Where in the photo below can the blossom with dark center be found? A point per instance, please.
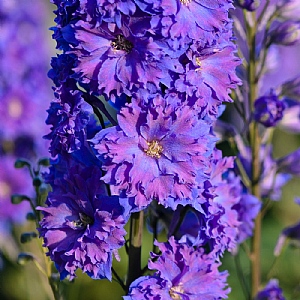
(182, 272)
(82, 227)
(115, 59)
(155, 152)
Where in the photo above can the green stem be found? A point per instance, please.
(135, 247)
(255, 146)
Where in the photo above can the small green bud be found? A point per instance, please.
(21, 163)
(30, 216)
(44, 162)
(16, 198)
(37, 181)
(27, 237)
(24, 258)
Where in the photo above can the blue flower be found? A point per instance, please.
(182, 272)
(82, 226)
(155, 152)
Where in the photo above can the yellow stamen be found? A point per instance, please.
(185, 2)
(198, 63)
(154, 149)
(174, 292)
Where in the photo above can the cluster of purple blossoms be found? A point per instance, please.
(138, 88)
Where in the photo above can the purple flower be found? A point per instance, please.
(214, 224)
(180, 19)
(82, 227)
(272, 291)
(155, 152)
(182, 272)
(114, 60)
(268, 110)
(108, 11)
(210, 73)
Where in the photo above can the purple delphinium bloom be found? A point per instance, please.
(272, 291)
(215, 225)
(214, 68)
(268, 110)
(108, 11)
(182, 272)
(82, 226)
(155, 152)
(180, 18)
(247, 209)
(114, 60)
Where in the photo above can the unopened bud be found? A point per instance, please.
(249, 5)
(287, 33)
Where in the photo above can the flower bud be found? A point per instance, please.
(286, 33)
(268, 110)
(249, 5)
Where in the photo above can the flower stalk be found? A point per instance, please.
(254, 140)
(135, 247)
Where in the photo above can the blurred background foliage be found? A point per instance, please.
(26, 282)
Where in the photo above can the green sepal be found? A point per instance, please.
(16, 198)
(21, 163)
(24, 258)
(44, 162)
(27, 237)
